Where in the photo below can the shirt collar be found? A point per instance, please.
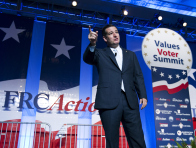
(117, 48)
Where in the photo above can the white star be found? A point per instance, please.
(170, 77)
(162, 74)
(184, 73)
(177, 76)
(154, 69)
(62, 49)
(12, 32)
(191, 73)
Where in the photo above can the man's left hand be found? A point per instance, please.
(143, 101)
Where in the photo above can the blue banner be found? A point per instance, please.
(61, 56)
(15, 42)
(173, 120)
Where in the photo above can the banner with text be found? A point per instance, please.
(169, 57)
(173, 120)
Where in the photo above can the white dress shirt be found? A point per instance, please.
(119, 59)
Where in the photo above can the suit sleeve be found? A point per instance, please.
(139, 79)
(89, 56)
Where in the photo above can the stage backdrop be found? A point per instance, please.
(43, 77)
(15, 42)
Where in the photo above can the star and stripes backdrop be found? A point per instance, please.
(192, 84)
(15, 42)
(172, 82)
(43, 77)
(61, 56)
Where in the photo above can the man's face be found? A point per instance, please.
(112, 37)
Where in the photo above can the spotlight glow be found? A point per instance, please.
(74, 3)
(184, 24)
(125, 12)
(160, 18)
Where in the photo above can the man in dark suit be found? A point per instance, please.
(120, 76)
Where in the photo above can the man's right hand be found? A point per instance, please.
(92, 36)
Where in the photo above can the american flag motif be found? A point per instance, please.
(170, 81)
(61, 56)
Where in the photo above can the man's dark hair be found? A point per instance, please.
(105, 27)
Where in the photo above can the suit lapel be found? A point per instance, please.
(125, 58)
(112, 56)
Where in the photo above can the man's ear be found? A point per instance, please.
(104, 38)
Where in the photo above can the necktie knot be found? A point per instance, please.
(115, 52)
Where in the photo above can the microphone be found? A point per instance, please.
(115, 54)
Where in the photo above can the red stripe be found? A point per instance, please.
(170, 91)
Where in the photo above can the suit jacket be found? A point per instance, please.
(110, 77)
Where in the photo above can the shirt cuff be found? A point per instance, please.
(92, 48)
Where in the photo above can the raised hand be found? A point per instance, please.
(92, 36)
